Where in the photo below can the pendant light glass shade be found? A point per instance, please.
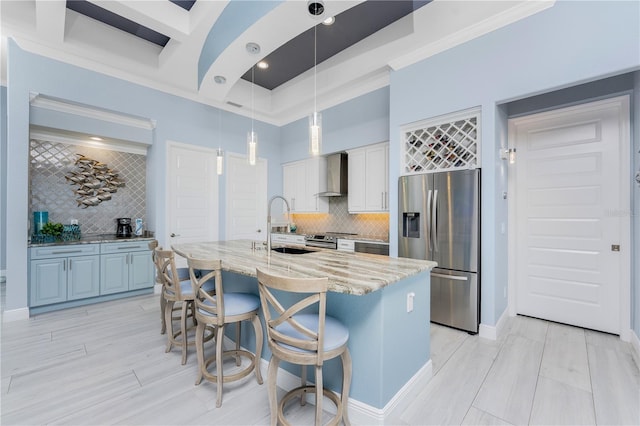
(252, 147)
(252, 137)
(315, 133)
(219, 161)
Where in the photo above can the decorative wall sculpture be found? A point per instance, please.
(95, 181)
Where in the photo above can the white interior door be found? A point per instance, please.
(246, 204)
(570, 178)
(192, 198)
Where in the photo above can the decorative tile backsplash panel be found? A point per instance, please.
(50, 191)
(371, 225)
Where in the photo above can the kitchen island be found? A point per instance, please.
(370, 294)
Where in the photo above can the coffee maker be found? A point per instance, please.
(123, 229)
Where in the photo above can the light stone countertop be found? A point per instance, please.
(350, 273)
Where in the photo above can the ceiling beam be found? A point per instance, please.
(50, 19)
(161, 16)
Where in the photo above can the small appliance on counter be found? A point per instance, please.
(123, 229)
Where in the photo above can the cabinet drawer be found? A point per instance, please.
(287, 239)
(346, 245)
(64, 251)
(124, 247)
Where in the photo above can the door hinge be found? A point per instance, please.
(615, 247)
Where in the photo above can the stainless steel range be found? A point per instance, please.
(327, 240)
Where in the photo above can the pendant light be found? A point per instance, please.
(315, 119)
(219, 152)
(252, 137)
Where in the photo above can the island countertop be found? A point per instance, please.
(350, 273)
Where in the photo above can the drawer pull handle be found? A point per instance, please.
(66, 251)
(450, 277)
(129, 247)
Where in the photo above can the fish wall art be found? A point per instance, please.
(95, 181)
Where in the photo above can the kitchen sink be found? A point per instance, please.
(291, 250)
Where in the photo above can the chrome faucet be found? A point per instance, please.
(269, 219)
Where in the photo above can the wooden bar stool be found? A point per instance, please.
(177, 291)
(183, 274)
(218, 309)
(305, 339)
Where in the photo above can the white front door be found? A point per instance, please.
(246, 204)
(192, 194)
(571, 234)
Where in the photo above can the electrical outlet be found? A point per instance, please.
(410, 297)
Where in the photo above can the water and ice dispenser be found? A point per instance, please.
(411, 224)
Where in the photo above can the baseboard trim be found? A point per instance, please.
(360, 412)
(15, 315)
(635, 344)
(492, 332)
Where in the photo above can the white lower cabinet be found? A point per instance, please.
(61, 273)
(66, 273)
(369, 179)
(125, 266)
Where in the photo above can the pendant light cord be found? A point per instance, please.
(315, 70)
(252, 84)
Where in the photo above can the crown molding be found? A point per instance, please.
(41, 101)
(72, 138)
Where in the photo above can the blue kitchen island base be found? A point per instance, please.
(389, 346)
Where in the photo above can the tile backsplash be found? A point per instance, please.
(372, 225)
(50, 191)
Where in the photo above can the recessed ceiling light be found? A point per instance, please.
(95, 138)
(253, 48)
(219, 79)
(263, 65)
(330, 20)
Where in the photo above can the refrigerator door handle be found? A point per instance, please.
(429, 219)
(434, 220)
(450, 277)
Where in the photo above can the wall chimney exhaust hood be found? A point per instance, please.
(336, 175)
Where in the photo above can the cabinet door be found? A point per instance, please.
(140, 270)
(314, 175)
(114, 273)
(83, 277)
(376, 192)
(357, 180)
(293, 178)
(48, 281)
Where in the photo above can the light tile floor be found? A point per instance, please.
(105, 364)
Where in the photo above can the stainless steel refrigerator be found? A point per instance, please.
(439, 220)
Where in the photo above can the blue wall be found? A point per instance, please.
(177, 119)
(568, 44)
(565, 46)
(357, 122)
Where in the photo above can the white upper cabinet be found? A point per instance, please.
(369, 179)
(302, 182)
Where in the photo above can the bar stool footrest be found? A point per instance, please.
(301, 392)
(231, 377)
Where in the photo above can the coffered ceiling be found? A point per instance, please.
(198, 49)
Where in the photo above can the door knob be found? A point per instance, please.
(259, 231)
(174, 235)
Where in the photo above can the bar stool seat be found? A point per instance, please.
(217, 309)
(303, 338)
(178, 292)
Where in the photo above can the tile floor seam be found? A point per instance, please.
(544, 346)
(493, 362)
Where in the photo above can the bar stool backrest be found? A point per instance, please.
(166, 264)
(209, 302)
(308, 343)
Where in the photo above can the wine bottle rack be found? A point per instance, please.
(448, 144)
